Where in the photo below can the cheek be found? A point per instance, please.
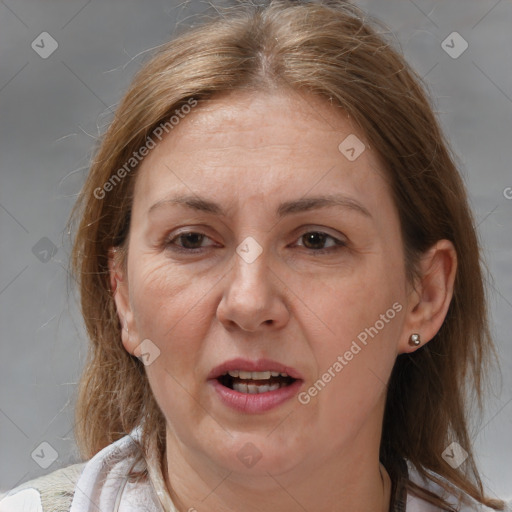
(363, 316)
(169, 309)
(349, 304)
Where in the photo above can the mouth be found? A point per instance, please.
(254, 383)
(250, 386)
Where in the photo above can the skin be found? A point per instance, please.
(250, 152)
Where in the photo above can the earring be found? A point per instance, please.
(415, 340)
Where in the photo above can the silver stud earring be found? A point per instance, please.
(415, 340)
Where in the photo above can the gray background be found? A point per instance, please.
(52, 111)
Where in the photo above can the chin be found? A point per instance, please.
(256, 456)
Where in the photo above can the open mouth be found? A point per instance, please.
(254, 383)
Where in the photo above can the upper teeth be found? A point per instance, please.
(255, 375)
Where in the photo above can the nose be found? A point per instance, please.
(253, 297)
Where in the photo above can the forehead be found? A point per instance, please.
(259, 145)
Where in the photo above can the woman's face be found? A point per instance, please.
(262, 239)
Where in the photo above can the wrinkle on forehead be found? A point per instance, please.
(243, 148)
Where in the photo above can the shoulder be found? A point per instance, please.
(104, 476)
(460, 500)
(53, 492)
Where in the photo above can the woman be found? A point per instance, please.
(280, 279)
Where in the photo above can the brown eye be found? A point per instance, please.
(315, 241)
(190, 240)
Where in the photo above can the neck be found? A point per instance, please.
(350, 479)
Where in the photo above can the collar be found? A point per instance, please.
(122, 478)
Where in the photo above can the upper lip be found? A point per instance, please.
(259, 365)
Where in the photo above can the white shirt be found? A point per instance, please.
(104, 484)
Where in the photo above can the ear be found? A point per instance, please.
(430, 298)
(120, 291)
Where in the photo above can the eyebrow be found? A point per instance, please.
(303, 204)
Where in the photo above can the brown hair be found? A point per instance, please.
(328, 49)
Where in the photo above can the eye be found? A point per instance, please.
(191, 242)
(315, 241)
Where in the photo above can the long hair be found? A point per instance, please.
(329, 49)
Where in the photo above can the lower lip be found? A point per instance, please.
(258, 402)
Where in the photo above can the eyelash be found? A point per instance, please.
(169, 243)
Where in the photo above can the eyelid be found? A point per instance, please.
(327, 235)
(313, 228)
(339, 243)
(299, 233)
(169, 239)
